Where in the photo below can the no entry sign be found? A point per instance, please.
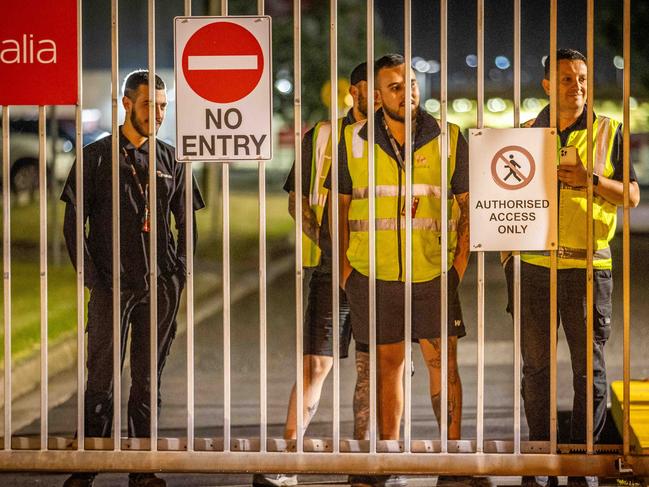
(223, 88)
(38, 52)
(513, 189)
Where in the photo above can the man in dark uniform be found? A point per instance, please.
(134, 255)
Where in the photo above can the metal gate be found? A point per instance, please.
(336, 454)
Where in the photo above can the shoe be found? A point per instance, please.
(588, 481)
(377, 481)
(80, 480)
(278, 479)
(539, 481)
(145, 480)
(463, 481)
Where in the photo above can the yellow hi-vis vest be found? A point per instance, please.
(390, 199)
(318, 194)
(573, 206)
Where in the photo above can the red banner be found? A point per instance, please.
(38, 52)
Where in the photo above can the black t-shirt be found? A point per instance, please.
(289, 185)
(427, 129)
(134, 242)
(617, 156)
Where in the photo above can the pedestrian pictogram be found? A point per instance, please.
(223, 62)
(513, 167)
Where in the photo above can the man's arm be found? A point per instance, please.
(609, 189)
(310, 225)
(344, 200)
(462, 250)
(179, 211)
(70, 235)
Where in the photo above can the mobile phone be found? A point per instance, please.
(568, 155)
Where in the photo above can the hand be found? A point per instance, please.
(573, 175)
(346, 271)
(460, 274)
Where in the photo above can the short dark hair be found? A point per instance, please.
(567, 54)
(388, 61)
(137, 78)
(359, 73)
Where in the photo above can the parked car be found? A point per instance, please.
(23, 154)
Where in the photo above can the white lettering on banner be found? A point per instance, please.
(28, 50)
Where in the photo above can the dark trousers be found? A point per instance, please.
(136, 317)
(535, 343)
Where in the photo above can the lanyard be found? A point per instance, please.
(395, 144)
(402, 166)
(144, 192)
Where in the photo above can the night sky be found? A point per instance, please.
(425, 39)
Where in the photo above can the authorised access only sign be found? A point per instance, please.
(224, 104)
(513, 189)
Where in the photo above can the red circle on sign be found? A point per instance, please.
(227, 62)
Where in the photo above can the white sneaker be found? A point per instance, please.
(279, 479)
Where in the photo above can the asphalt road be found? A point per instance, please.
(499, 389)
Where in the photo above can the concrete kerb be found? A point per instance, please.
(62, 355)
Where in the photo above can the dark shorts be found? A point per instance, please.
(318, 323)
(390, 300)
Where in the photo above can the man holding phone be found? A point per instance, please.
(571, 276)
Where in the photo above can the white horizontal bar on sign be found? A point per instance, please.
(222, 62)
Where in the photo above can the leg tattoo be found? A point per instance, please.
(362, 396)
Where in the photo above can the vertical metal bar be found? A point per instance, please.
(42, 196)
(371, 183)
(117, 370)
(554, 100)
(407, 42)
(263, 345)
(153, 236)
(6, 264)
(227, 386)
(297, 110)
(590, 59)
(517, 255)
(444, 218)
(481, 255)
(79, 203)
(626, 240)
(189, 246)
(335, 251)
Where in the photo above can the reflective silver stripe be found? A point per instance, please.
(322, 140)
(570, 253)
(602, 139)
(391, 224)
(357, 142)
(387, 190)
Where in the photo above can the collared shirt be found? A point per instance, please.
(289, 185)
(426, 129)
(134, 242)
(617, 157)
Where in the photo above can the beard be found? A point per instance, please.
(394, 115)
(362, 105)
(138, 125)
